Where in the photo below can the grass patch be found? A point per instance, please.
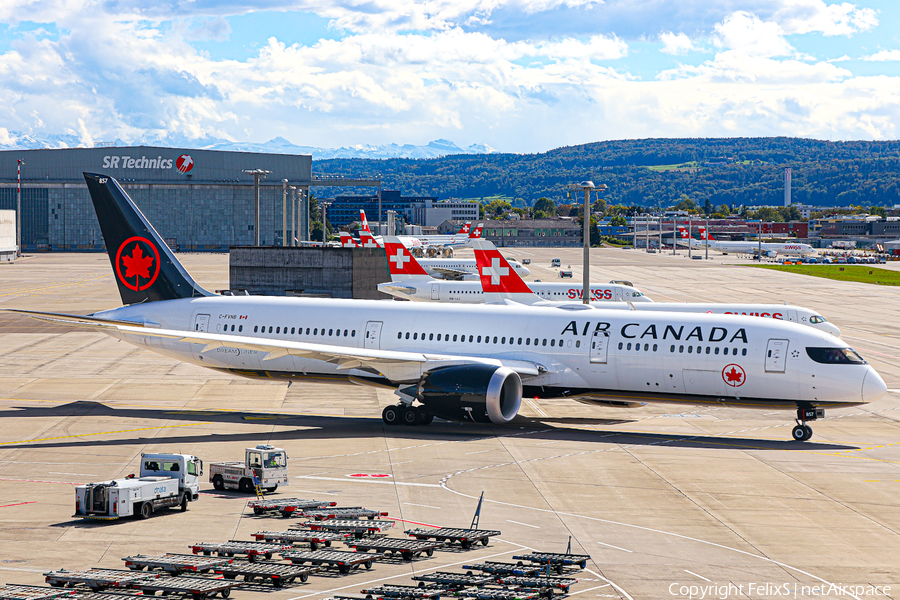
(688, 166)
(858, 273)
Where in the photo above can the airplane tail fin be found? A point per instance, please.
(146, 270)
(465, 229)
(499, 279)
(475, 234)
(347, 240)
(401, 262)
(365, 234)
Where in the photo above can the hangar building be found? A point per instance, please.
(196, 199)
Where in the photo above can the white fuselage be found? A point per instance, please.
(585, 351)
(790, 248)
(466, 265)
(470, 292)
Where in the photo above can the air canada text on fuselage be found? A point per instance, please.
(656, 331)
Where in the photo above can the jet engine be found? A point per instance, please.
(480, 393)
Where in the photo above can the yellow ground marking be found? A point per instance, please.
(60, 437)
(50, 287)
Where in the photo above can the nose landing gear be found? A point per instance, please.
(802, 431)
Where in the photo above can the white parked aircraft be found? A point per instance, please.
(410, 281)
(468, 362)
(770, 249)
(426, 243)
(502, 284)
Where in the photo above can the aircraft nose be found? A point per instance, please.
(873, 386)
(525, 271)
(832, 329)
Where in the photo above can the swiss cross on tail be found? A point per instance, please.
(465, 228)
(400, 261)
(496, 274)
(347, 240)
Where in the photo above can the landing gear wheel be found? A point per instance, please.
(801, 433)
(409, 415)
(428, 417)
(809, 432)
(391, 415)
(424, 417)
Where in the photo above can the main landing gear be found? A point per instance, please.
(406, 414)
(802, 431)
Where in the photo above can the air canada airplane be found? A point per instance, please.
(468, 362)
(770, 249)
(500, 284)
(410, 281)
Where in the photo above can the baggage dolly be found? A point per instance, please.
(341, 513)
(408, 549)
(174, 563)
(556, 560)
(466, 537)
(359, 528)
(123, 595)
(198, 588)
(250, 549)
(403, 591)
(13, 591)
(286, 506)
(278, 573)
(556, 583)
(504, 568)
(496, 594)
(299, 536)
(454, 581)
(342, 560)
(96, 579)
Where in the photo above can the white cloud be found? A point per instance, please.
(674, 43)
(883, 55)
(748, 34)
(807, 16)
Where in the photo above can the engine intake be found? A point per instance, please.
(480, 393)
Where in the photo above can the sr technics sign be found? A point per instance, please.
(183, 163)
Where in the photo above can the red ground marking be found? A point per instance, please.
(18, 504)
(413, 522)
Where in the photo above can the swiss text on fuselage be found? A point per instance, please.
(660, 332)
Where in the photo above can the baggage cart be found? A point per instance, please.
(300, 536)
(286, 506)
(325, 514)
(504, 568)
(454, 581)
(403, 591)
(358, 528)
(198, 588)
(557, 583)
(249, 549)
(497, 594)
(174, 563)
(408, 549)
(278, 573)
(96, 579)
(342, 560)
(121, 595)
(12, 591)
(466, 537)
(557, 560)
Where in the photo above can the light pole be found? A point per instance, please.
(707, 238)
(284, 187)
(690, 233)
(293, 215)
(587, 187)
(325, 206)
(19, 163)
(257, 174)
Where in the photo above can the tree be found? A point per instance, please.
(879, 211)
(599, 206)
(767, 213)
(497, 207)
(686, 204)
(725, 209)
(546, 206)
(564, 210)
(707, 207)
(789, 213)
(618, 221)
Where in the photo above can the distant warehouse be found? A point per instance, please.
(538, 232)
(196, 199)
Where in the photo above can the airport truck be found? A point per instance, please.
(165, 481)
(266, 463)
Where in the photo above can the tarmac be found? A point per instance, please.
(711, 502)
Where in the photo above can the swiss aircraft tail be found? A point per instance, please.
(145, 269)
(347, 240)
(465, 229)
(475, 234)
(499, 279)
(365, 235)
(401, 263)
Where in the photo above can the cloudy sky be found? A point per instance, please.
(518, 75)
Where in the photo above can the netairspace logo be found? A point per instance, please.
(775, 590)
(129, 162)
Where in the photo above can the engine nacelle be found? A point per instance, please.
(480, 393)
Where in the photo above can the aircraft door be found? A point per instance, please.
(792, 316)
(599, 347)
(435, 291)
(776, 352)
(373, 335)
(201, 323)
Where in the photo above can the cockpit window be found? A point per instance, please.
(816, 319)
(835, 356)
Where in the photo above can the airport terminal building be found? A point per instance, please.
(196, 199)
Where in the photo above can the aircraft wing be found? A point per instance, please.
(451, 273)
(395, 365)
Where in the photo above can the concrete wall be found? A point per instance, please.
(332, 272)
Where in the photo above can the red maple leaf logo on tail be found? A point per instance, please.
(137, 265)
